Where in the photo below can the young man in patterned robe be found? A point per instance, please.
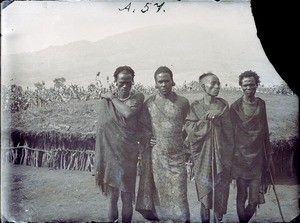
(162, 191)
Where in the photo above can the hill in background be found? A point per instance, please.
(189, 50)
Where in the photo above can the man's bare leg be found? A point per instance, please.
(254, 189)
(205, 214)
(241, 199)
(113, 213)
(127, 207)
(218, 217)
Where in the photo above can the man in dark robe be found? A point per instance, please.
(210, 136)
(116, 150)
(253, 153)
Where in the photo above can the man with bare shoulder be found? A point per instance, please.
(116, 150)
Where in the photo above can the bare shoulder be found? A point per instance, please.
(183, 101)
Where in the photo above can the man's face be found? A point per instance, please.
(164, 83)
(249, 86)
(211, 85)
(124, 83)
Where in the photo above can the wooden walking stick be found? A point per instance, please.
(272, 181)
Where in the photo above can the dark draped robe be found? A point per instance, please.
(252, 143)
(116, 150)
(211, 143)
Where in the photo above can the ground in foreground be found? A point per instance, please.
(32, 194)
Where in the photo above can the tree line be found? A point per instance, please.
(14, 98)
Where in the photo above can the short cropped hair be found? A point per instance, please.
(249, 73)
(205, 75)
(163, 69)
(125, 70)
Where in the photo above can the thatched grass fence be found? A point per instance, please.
(284, 158)
(57, 150)
(52, 149)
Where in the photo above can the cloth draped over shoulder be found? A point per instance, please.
(211, 144)
(252, 143)
(162, 192)
(116, 149)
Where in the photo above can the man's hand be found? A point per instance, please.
(98, 180)
(108, 95)
(187, 158)
(212, 114)
(191, 138)
(152, 141)
(186, 143)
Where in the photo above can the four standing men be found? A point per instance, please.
(160, 125)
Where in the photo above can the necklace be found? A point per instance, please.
(124, 99)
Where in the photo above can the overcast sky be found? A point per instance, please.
(29, 26)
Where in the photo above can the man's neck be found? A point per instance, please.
(208, 99)
(248, 99)
(123, 96)
(166, 95)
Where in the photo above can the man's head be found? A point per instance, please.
(249, 81)
(210, 83)
(124, 77)
(164, 80)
